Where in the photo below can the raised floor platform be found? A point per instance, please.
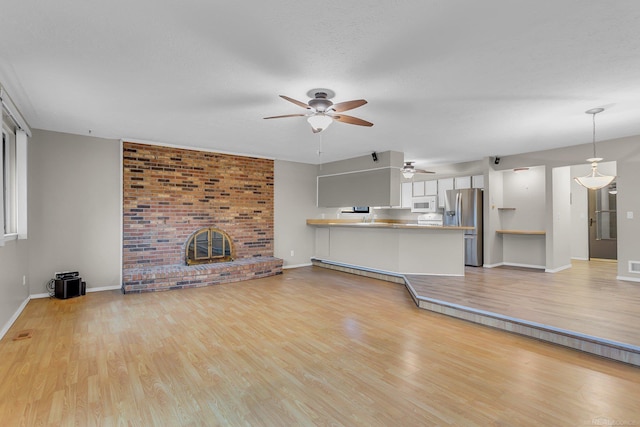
(584, 307)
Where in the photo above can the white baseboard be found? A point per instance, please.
(493, 265)
(579, 258)
(628, 279)
(99, 289)
(286, 267)
(38, 296)
(104, 288)
(555, 270)
(13, 318)
(537, 267)
(515, 264)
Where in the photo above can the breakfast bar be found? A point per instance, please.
(393, 247)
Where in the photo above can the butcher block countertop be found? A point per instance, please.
(390, 223)
(523, 232)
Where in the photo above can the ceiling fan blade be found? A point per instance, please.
(423, 171)
(351, 120)
(298, 103)
(348, 105)
(286, 115)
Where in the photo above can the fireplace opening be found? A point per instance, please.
(209, 245)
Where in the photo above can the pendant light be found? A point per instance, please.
(595, 180)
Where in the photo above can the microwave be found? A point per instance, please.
(424, 204)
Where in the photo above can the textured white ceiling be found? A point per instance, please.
(446, 81)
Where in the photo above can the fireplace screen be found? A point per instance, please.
(209, 245)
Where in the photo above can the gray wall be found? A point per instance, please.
(579, 209)
(74, 208)
(13, 266)
(361, 181)
(559, 256)
(524, 191)
(295, 202)
(492, 217)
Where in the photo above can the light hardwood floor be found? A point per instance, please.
(309, 347)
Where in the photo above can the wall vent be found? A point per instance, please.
(634, 267)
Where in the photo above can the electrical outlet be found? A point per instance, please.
(24, 280)
(292, 253)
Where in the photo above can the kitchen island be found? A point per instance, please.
(391, 247)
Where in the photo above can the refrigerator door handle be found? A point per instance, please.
(458, 208)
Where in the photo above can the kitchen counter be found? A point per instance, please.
(398, 247)
(378, 224)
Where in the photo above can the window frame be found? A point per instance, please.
(16, 129)
(8, 182)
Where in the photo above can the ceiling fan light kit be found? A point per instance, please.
(408, 170)
(319, 122)
(322, 111)
(595, 180)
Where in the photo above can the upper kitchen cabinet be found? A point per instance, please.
(444, 185)
(462, 182)
(361, 181)
(477, 181)
(406, 195)
(425, 188)
(418, 188)
(431, 188)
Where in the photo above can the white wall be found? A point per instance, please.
(74, 209)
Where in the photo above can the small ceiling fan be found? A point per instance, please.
(322, 112)
(408, 170)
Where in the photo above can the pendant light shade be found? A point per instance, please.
(319, 122)
(595, 180)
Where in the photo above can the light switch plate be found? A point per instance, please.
(630, 215)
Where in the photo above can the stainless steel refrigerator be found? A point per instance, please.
(464, 208)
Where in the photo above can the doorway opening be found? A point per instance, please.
(603, 226)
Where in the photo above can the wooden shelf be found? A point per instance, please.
(523, 232)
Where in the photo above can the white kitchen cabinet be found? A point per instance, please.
(477, 181)
(406, 194)
(444, 185)
(462, 182)
(430, 188)
(418, 188)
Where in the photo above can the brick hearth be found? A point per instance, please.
(169, 193)
(161, 278)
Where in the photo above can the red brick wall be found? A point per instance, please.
(169, 193)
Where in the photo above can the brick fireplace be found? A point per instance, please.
(170, 193)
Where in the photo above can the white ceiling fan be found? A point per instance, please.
(408, 170)
(322, 111)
